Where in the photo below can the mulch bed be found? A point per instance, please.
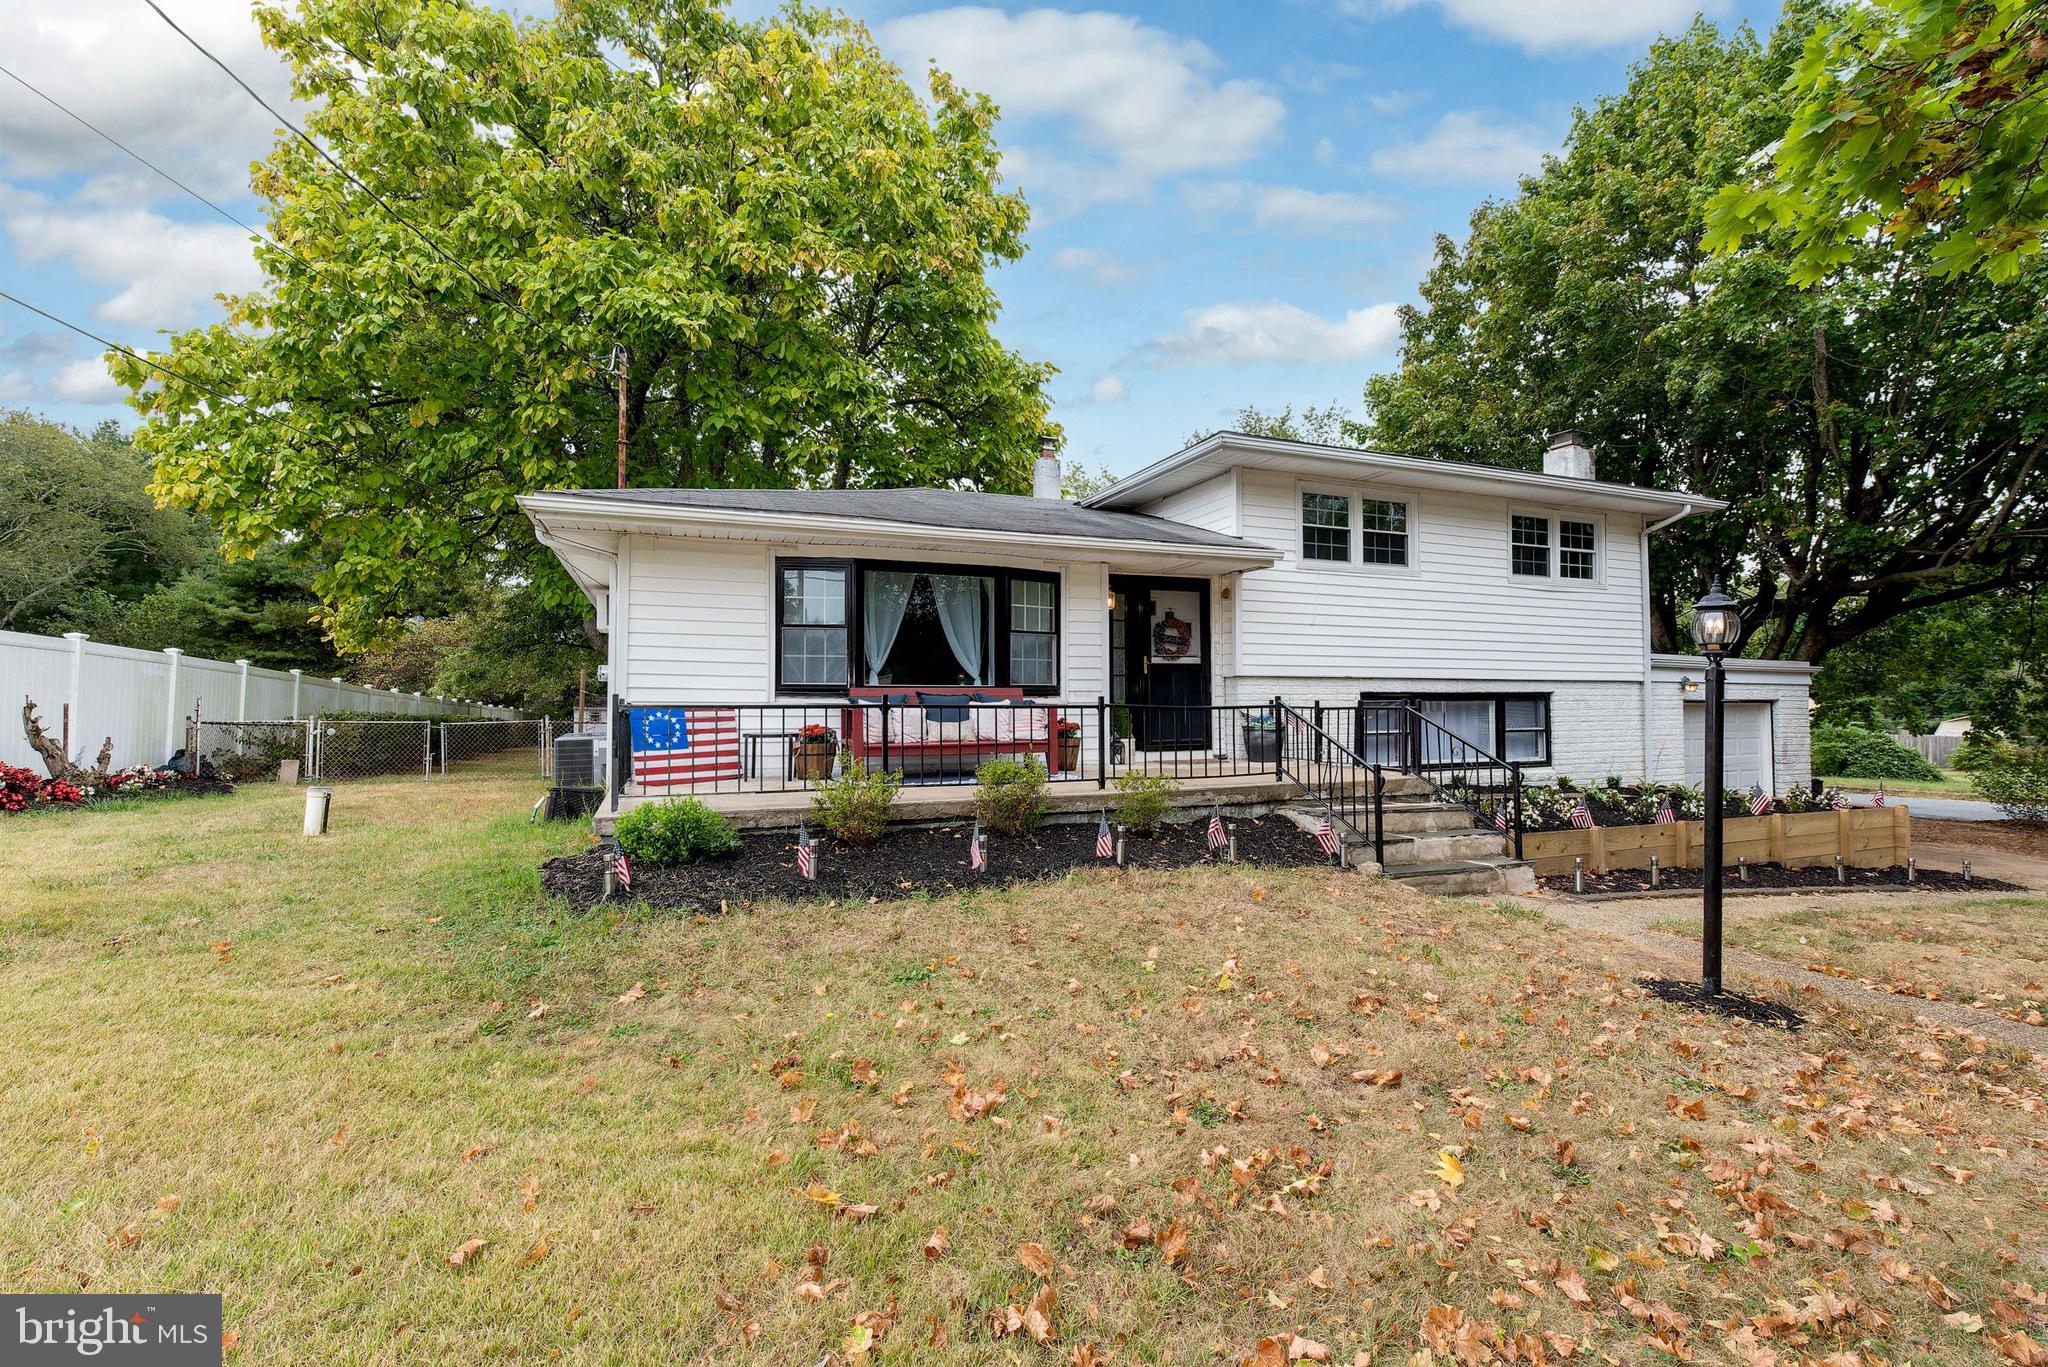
(913, 862)
(1778, 876)
(1756, 1010)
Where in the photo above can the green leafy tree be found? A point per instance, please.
(1880, 439)
(1331, 425)
(520, 646)
(79, 534)
(788, 248)
(1918, 670)
(1909, 117)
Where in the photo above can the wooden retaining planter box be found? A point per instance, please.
(1865, 837)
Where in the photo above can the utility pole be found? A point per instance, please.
(619, 365)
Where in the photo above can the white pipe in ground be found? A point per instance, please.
(318, 800)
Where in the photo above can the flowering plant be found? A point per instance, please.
(816, 736)
(1066, 726)
(22, 788)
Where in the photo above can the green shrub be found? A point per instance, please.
(675, 832)
(855, 806)
(1859, 752)
(2018, 782)
(1011, 794)
(1142, 799)
(1978, 750)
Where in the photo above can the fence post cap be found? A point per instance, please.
(172, 650)
(335, 677)
(243, 663)
(298, 671)
(76, 636)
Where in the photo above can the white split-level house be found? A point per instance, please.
(1510, 607)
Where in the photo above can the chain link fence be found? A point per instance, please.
(249, 751)
(338, 750)
(492, 749)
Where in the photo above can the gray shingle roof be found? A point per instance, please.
(933, 508)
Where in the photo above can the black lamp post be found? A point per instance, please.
(1716, 628)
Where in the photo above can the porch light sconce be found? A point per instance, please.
(1226, 593)
(1689, 686)
(1716, 630)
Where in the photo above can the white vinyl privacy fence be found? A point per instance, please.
(144, 698)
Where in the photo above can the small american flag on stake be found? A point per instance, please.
(1840, 804)
(977, 848)
(1759, 800)
(1500, 816)
(1877, 798)
(806, 856)
(1218, 837)
(1582, 815)
(1105, 843)
(1326, 835)
(622, 870)
(1666, 816)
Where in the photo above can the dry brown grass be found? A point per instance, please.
(1990, 953)
(1162, 1111)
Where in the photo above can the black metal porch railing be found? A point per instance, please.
(681, 748)
(1333, 775)
(1395, 735)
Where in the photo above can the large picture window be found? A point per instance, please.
(842, 622)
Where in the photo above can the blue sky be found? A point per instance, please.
(1229, 200)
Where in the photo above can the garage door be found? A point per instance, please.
(1746, 760)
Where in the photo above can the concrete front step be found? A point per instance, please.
(1467, 877)
(1434, 847)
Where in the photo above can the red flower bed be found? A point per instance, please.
(21, 789)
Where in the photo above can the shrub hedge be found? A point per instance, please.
(675, 832)
(1852, 751)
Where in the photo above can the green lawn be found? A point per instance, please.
(1143, 1118)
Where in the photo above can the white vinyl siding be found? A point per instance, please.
(700, 620)
(1458, 613)
(1210, 505)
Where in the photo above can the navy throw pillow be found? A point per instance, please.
(943, 707)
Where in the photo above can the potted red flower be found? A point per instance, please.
(1069, 733)
(813, 752)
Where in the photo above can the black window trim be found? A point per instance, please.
(856, 655)
(1499, 699)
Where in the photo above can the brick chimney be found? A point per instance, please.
(1045, 471)
(1569, 455)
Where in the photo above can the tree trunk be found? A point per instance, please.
(54, 759)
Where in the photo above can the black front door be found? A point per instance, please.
(1160, 659)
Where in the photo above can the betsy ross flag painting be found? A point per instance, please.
(682, 747)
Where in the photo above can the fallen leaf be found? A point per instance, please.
(935, 1247)
(1449, 1169)
(462, 1256)
(631, 995)
(1036, 1258)
(535, 1254)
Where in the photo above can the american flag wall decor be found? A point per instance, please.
(685, 747)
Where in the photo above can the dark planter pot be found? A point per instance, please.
(1070, 753)
(814, 761)
(1262, 746)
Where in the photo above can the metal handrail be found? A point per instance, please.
(1491, 786)
(1316, 771)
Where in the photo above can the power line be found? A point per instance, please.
(110, 138)
(207, 390)
(331, 160)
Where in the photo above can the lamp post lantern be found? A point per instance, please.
(1716, 628)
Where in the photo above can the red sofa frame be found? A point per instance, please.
(886, 753)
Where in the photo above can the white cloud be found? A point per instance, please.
(1274, 333)
(166, 270)
(1099, 268)
(86, 382)
(37, 348)
(1109, 389)
(1464, 149)
(120, 66)
(1390, 101)
(1326, 152)
(1555, 26)
(1289, 208)
(16, 386)
(1138, 103)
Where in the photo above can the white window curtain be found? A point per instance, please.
(1469, 721)
(963, 617)
(885, 597)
